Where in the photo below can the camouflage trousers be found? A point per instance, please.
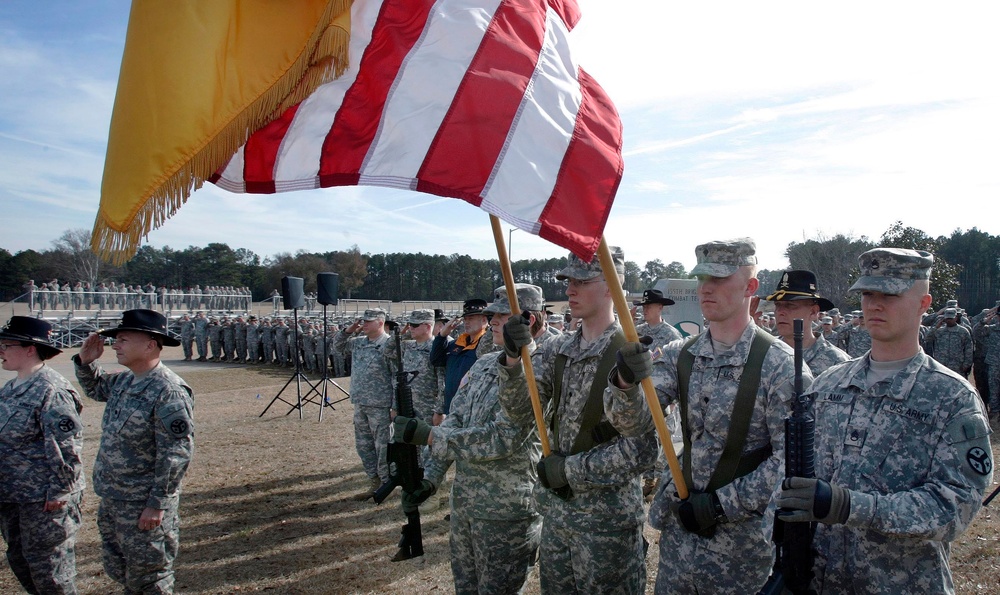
(202, 341)
(216, 349)
(281, 353)
(994, 383)
(229, 348)
(737, 559)
(142, 561)
(41, 545)
(241, 350)
(492, 557)
(371, 435)
(572, 561)
(186, 342)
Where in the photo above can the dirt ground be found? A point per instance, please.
(267, 501)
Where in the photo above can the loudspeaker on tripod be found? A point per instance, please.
(327, 285)
(292, 292)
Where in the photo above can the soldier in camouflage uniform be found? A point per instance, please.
(902, 448)
(951, 343)
(281, 342)
(428, 385)
(187, 336)
(494, 530)
(654, 326)
(201, 335)
(308, 348)
(796, 297)
(371, 393)
(267, 341)
(987, 331)
(228, 340)
(856, 340)
(41, 471)
(588, 489)
(253, 341)
(712, 542)
(215, 338)
(240, 335)
(146, 446)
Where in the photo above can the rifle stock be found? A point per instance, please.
(794, 556)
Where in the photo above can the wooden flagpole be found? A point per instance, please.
(628, 326)
(515, 309)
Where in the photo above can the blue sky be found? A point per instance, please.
(781, 121)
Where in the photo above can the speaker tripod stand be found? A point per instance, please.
(298, 377)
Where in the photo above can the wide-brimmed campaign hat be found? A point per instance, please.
(653, 296)
(29, 330)
(473, 307)
(796, 285)
(143, 321)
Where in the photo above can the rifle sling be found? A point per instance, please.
(731, 464)
(593, 431)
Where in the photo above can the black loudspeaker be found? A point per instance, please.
(327, 285)
(292, 292)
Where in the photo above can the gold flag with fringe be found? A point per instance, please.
(197, 78)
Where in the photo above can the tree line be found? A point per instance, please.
(966, 269)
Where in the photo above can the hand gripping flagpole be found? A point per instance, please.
(515, 309)
(628, 325)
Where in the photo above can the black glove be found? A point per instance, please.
(634, 362)
(807, 500)
(516, 334)
(699, 513)
(411, 500)
(552, 475)
(410, 430)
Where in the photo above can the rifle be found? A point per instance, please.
(794, 555)
(404, 465)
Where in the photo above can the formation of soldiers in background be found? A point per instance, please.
(56, 295)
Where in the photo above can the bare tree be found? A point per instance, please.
(77, 261)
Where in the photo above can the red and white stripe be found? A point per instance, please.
(480, 100)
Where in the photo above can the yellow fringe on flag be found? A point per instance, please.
(197, 79)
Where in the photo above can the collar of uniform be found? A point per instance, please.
(737, 356)
(138, 386)
(902, 382)
(573, 347)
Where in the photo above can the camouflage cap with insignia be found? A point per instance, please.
(374, 314)
(723, 258)
(529, 297)
(423, 316)
(950, 313)
(577, 269)
(892, 270)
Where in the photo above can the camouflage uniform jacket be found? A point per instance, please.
(494, 459)
(712, 392)
(952, 346)
(187, 329)
(662, 333)
(200, 326)
(428, 386)
(605, 479)
(915, 451)
(858, 342)
(41, 439)
(147, 434)
(371, 373)
(989, 335)
(822, 354)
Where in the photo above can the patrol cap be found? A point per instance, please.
(892, 270)
(418, 317)
(950, 313)
(723, 258)
(529, 297)
(577, 269)
(833, 311)
(951, 304)
(826, 320)
(555, 319)
(374, 314)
